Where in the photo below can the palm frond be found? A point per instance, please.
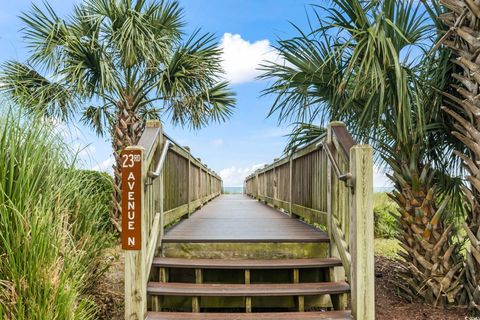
(100, 118)
(26, 87)
(303, 134)
(213, 104)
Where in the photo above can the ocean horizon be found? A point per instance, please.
(239, 190)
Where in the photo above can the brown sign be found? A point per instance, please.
(131, 199)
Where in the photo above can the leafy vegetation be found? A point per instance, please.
(384, 211)
(119, 63)
(387, 248)
(458, 25)
(366, 63)
(53, 224)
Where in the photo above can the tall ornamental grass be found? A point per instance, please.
(52, 225)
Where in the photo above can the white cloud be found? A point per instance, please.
(234, 177)
(241, 58)
(380, 180)
(105, 165)
(217, 142)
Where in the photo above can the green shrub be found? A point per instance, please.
(384, 216)
(52, 225)
(100, 186)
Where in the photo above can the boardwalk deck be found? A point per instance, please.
(238, 254)
(240, 219)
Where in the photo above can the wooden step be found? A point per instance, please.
(249, 316)
(246, 264)
(246, 250)
(246, 290)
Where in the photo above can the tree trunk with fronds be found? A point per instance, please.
(463, 39)
(431, 268)
(126, 131)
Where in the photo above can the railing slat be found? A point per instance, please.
(178, 185)
(330, 186)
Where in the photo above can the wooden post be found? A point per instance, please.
(361, 233)
(158, 193)
(196, 299)
(332, 184)
(300, 299)
(189, 182)
(161, 191)
(135, 270)
(248, 300)
(290, 188)
(275, 189)
(337, 274)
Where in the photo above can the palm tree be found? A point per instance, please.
(119, 62)
(460, 35)
(363, 65)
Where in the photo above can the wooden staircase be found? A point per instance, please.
(287, 286)
(192, 253)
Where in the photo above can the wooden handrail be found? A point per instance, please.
(341, 176)
(343, 137)
(158, 169)
(174, 184)
(329, 182)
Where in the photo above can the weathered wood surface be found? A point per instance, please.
(345, 315)
(329, 182)
(243, 290)
(238, 218)
(246, 264)
(182, 185)
(361, 241)
(294, 184)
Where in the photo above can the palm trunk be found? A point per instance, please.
(462, 39)
(431, 268)
(126, 132)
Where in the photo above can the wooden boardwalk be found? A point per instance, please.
(202, 255)
(239, 218)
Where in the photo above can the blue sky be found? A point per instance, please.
(246, 29)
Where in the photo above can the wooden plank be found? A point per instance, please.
(300, 299)
(361, 239)
(196, 299)
(246, 264)
(338, 239)
(149, 139)
(245, 250)
(248, 300)
(158, 300)
(310, 215)
(313, 146)
(152, 244)
(290, 189)
(333, 191)
(238, 219)
(244, 290)
(189, 194)
(175, 214)
(344, 315)
(343, 137)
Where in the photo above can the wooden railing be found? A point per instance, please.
(329, 183)
(173, 185)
